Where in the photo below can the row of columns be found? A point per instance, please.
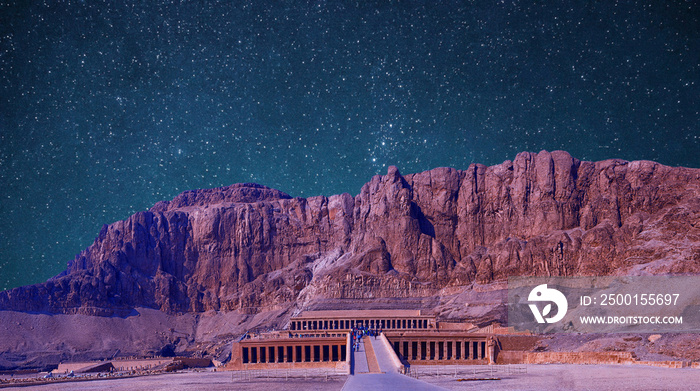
(441, 350)
(293, 353)
(347, 324)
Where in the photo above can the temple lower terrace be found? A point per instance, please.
(443, 347)
(290, 352)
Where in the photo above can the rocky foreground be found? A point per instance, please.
(444, 240)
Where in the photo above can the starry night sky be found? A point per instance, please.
(107, 107)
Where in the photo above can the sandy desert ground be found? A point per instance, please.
(537, 377)
(554, 377)
(213, 381)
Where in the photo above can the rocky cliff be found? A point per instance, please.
(248, 247)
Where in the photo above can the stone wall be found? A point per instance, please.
(119, 365)
(340, 366)
(519, 357)
(668, 364)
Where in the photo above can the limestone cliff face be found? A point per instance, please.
(248, 247)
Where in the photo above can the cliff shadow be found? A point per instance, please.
(426, 227)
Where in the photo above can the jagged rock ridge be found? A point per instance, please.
(247, 247)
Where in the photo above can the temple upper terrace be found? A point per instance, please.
(370, 319)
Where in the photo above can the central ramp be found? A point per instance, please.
(383, 373)
(359, 360)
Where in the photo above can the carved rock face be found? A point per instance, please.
(247, 246)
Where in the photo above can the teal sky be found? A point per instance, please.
(108, 107)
